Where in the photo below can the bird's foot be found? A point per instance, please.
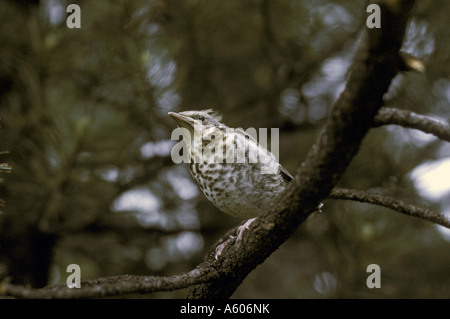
(240, 233)
(222, 246)
(242, 228)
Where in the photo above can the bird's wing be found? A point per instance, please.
(287, 177)
(259, 190)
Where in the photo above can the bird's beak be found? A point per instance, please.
(181, 119)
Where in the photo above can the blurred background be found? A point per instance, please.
(84, 127)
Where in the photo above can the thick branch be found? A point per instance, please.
(376, 63)
(112, 286)
(392, 203)
(408, 119)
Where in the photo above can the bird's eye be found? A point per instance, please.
(201, 118)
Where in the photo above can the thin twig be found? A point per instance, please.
(5, 168)
(392, 203)
(388, 115)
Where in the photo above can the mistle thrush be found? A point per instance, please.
(239, 188)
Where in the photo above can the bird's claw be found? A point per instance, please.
(242, 228)
(222, 246)
(237, 239)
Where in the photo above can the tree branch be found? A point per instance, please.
(376, 63)
(388, 115)
(392, 203)
(112, 286)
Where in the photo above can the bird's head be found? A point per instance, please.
(197, 121)
(189, 119)
(198, 127)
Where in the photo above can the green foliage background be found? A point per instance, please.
(84, 118)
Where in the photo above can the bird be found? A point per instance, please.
(239, 189)
(241, 177)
